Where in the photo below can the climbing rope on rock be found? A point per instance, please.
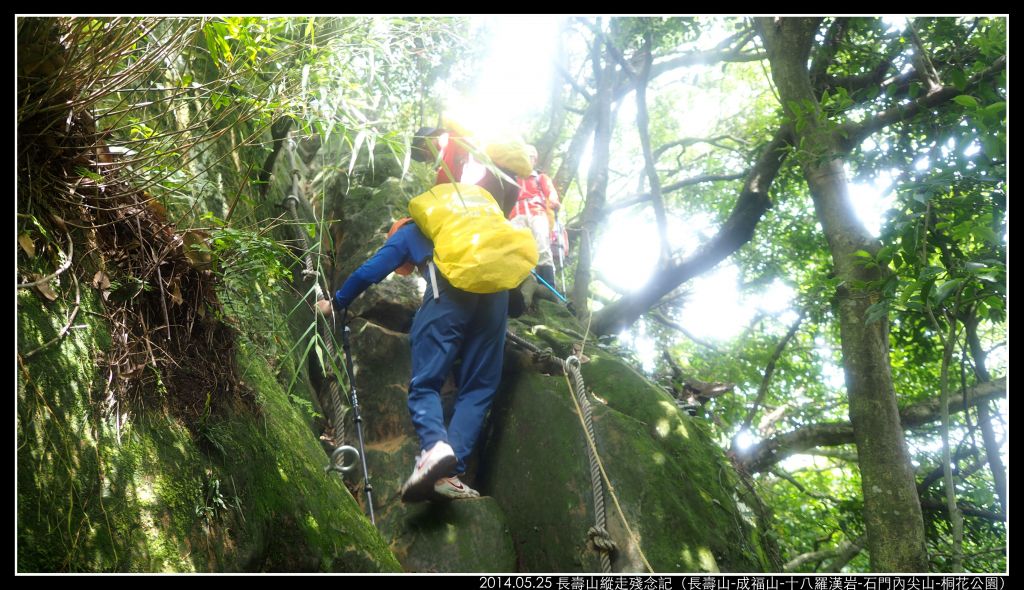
(334, 407)
(597, 536)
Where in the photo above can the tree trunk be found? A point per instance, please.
(995, 460)
(892, 510)
(556, 122)
(597, 180)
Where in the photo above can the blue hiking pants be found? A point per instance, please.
(456, 325)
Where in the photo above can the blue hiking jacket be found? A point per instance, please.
(407, 244)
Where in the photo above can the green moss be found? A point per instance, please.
(250, 494)
(537, 470)
(461, 536)
(672, 481)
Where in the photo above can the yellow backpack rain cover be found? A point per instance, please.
(475, 247)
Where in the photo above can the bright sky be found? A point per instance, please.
(514, 80)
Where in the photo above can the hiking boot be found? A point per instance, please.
(450, 488)
(430, 466)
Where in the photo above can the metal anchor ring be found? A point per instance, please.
(338, 458)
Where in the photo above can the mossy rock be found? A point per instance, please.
(456, 536)
(246, 492)
(674, 484)
(382, 366)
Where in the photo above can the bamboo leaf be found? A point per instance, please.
(27, 244)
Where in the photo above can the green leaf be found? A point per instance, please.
(319, 353)
(994, 302)
(983, 233)
(994, 109)
(992, 146)
(958, 78)
(966, 100)
(945, 289)
(876, 312)
(885, 255)
(356, 145)
(863, 254)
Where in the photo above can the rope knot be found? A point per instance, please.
(543, 356)
(600, 540)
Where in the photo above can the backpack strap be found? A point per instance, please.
(433, 279)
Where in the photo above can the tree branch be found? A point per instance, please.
(792, 480)
(827, 50)
(838, 454)
(936, 474)
(929, 411)
(575, 85)
(769, 452)
(623, 85)
(688, 141)
(992, 448)
(966, 509)
(642, 124)
(710, 57)
(668, 188)
(852, 134)
(278, 132)
(923, 61)
(857, 82)
(762, 390)
(597, 179)
(819, 556)
(849, 550)
(643, 198)
(660, 317)
(737, 230)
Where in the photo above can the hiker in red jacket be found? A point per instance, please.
(448, 145)
(535, 210)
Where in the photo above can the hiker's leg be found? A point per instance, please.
(547, 272)
(435, 339)
(479, 375)
(542, 235)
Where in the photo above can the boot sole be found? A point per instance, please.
(424, 488)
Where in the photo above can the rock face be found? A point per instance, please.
(244, 493)
(674, 484)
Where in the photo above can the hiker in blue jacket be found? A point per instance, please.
(450, 324)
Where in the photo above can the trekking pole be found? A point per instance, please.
(558, 241)
(357, 418)
(568, 304)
